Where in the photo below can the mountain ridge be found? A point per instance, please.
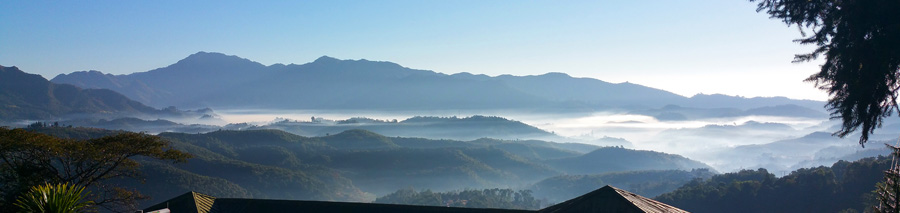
(208, 79)
(30, 96)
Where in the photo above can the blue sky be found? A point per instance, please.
(687, 47)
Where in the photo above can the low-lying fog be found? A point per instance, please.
(780, 144)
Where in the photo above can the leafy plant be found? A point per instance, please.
(28, 159)
(60, 198)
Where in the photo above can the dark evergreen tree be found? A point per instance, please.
(889, 190)
(860, 40)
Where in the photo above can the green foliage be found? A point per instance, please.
(859, 40)
(266, 163)
(845, 185)
(28, 159)
(57, 198)
(177, 181)
(470, 198)
(888, 191)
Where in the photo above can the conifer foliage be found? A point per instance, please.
(889, 190)
(860, 40)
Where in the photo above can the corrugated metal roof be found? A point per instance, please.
(647, 204)
(611, 199)
(203, 202)
(187, 202)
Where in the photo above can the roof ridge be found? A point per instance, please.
(609, 198)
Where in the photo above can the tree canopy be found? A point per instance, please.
(860, 40)
(845, 186)
(28, 159)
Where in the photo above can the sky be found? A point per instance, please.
(687, 46)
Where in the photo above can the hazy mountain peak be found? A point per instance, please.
(93, 72)
(331, 60)
(5, 68)
(467, 74)
(14, 75)
(82, 73)
(213, 58)
(326, 59)
(556, 75)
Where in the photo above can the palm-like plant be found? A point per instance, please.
(59, 198)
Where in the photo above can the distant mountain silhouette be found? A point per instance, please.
(679, 113)
(221, 81)
(25, 96)
(561, 87)
(726, 101)
(198, 75)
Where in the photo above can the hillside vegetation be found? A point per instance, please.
(843, 186)
(357, 165)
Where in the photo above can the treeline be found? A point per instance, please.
(470, 198)
(843, 187)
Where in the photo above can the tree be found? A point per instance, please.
(889, 190)
(63, 198)
(28, 159)
(860, 40)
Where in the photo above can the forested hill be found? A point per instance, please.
(612, 159)
(354, 165)
(845, 186)
(221, 81)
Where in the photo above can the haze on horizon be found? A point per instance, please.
(686, 47)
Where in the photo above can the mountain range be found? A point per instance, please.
(25, 96)
(217, 80)
(30, 96)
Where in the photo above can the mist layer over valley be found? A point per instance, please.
(371, 95)
(357, 130)
(328, 96)
(779, 143)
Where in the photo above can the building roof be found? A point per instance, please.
(201, 203)
(611, 199)
(606, 199)
(187, 202)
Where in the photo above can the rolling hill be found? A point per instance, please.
(356, 165)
